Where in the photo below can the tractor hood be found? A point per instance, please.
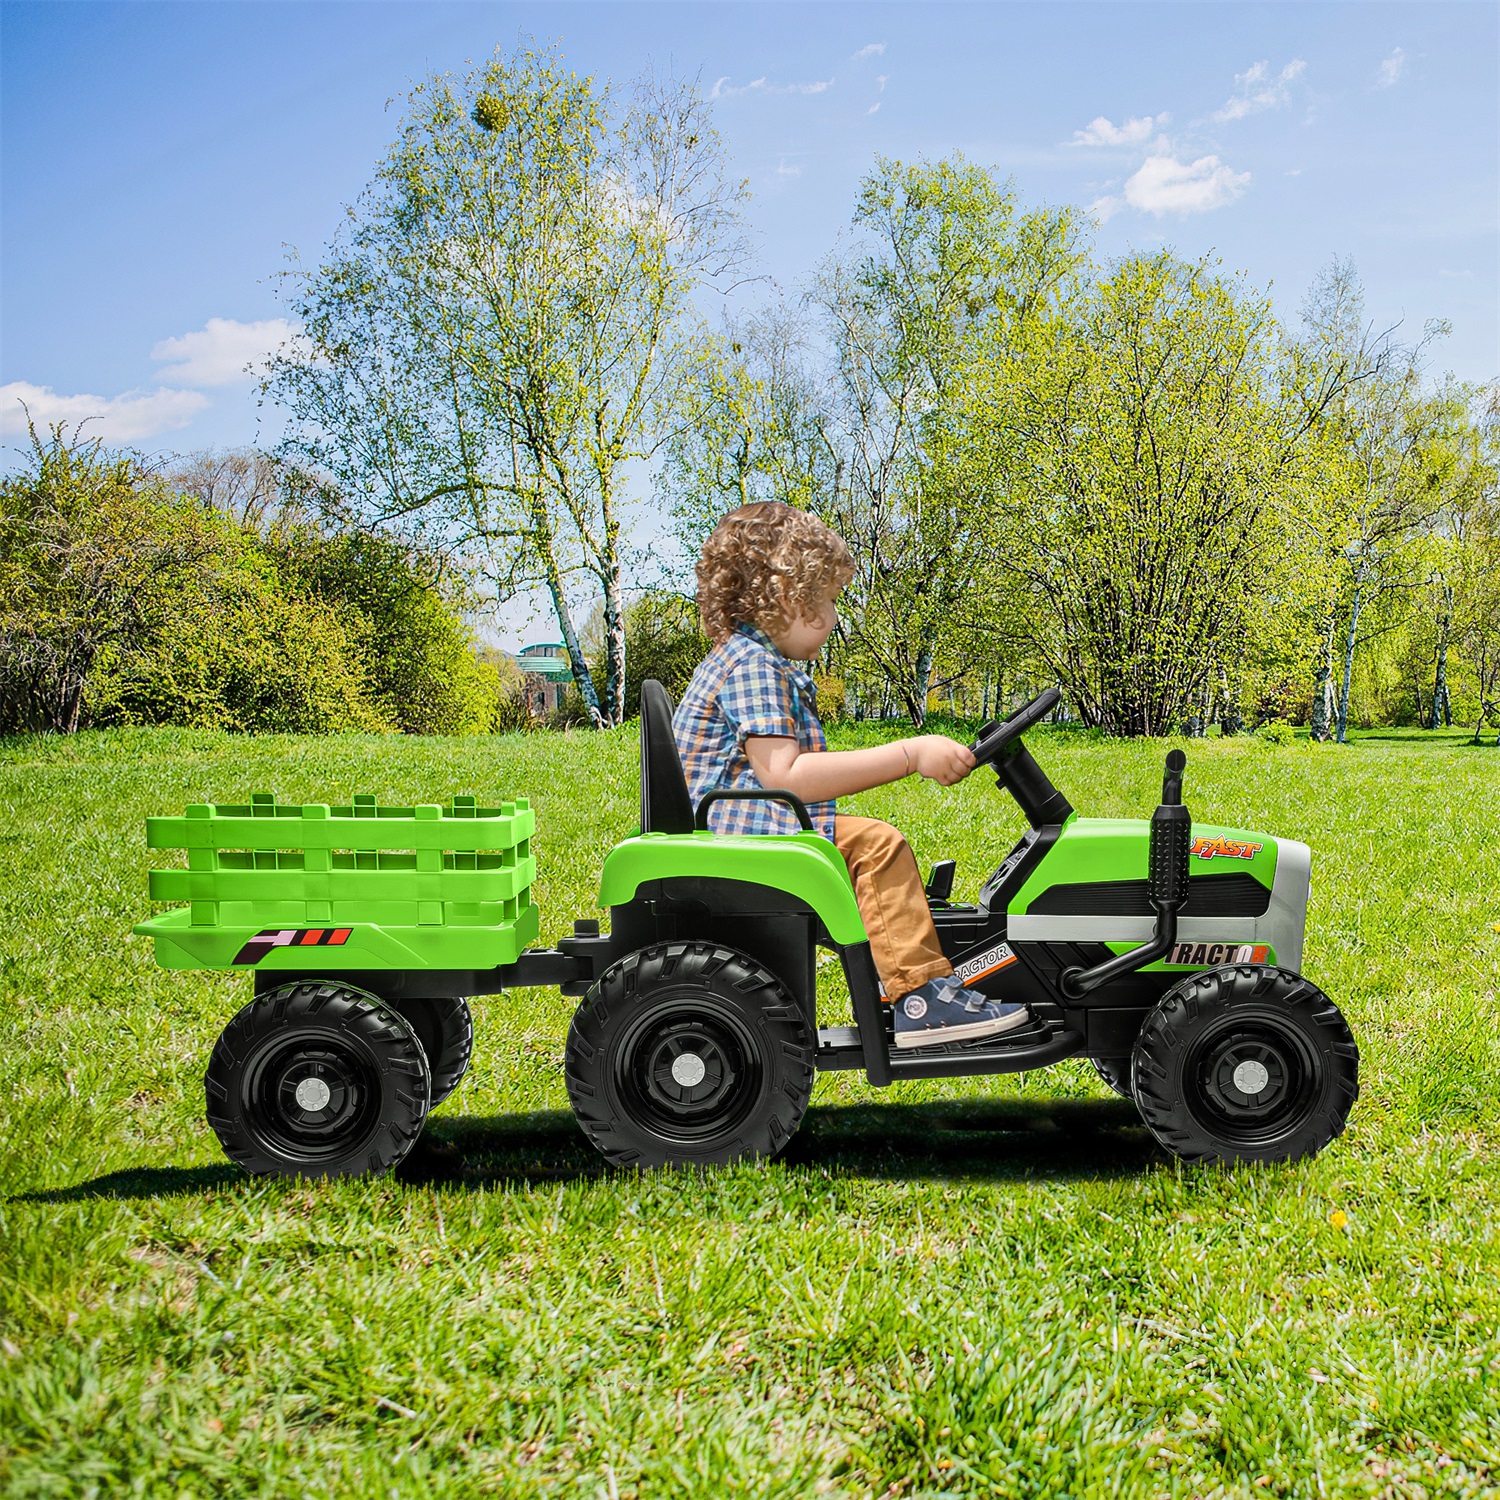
(1246, 889)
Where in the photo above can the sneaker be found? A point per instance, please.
(942, 1010)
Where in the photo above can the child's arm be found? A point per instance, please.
(819, 775)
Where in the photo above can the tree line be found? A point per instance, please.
(215, 595)
(1128, 477)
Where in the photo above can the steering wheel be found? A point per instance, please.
(993, 738)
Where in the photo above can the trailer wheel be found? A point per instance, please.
(689, 1054)
(1115, 1071)
(446, 1031)
(317, 1080)
(1245, 1064)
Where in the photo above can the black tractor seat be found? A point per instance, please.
(666, 806)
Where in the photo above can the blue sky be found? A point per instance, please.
(159, 160)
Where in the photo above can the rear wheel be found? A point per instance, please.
(317, 1080)
(687, 1054)
(446, 1031)
(1247, 1063)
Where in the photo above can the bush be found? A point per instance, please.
(97, 559)
(122, 602)
(663, 639)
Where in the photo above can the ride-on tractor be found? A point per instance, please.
(1167, 953)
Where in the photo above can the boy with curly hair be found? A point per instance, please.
(767, 582)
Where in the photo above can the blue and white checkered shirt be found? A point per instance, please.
(745, 686)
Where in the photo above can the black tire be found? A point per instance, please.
(688, 1054)
(1115, 1071)
(317, 1080)
(446, 1031)
(1214, 1035)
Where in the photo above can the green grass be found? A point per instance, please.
(987, 1287)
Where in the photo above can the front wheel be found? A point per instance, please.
(317, 1079)
(1244, 1064)
(689, 1054)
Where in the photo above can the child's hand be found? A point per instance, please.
(940, 759)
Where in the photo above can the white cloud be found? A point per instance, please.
(880, 82)
(1256, 89)
(784, 168)
(874, 49)
(1164, 185)
(723, 89)
(1104, 209)
(1391, 69)
(116, 419)
(223, 351)
(1099, 132)
(871, 110)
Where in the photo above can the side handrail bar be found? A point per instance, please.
(751, 794)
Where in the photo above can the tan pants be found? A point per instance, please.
(888, 888)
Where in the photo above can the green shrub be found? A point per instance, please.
(1277, 732)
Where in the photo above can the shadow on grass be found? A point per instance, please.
(973, 1139)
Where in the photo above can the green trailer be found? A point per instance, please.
(1168, 953)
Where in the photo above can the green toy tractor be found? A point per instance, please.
(1167, 953)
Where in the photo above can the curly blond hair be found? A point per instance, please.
(768, 564)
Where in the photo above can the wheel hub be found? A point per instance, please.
(311, 1097)
(1254, 1077)
(1251, 1077)
(689, 1070)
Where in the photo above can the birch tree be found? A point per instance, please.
(492, 345)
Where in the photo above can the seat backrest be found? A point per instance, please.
(665, 804)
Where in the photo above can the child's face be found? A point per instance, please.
(804, 638)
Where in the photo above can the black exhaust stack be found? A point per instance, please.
(1166, 886)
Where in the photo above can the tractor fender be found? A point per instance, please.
(804, 865)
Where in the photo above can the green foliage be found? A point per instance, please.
(248, 658)
(664, 639)
(1128, 479)
(1277, 732)
(1133, 446)
(128, 603)
(414, 652)
(503, 328)
(96, 558)
(964, 1287)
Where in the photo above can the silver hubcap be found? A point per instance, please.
(688, 1069)
(312, 1095)
(1251, 1077)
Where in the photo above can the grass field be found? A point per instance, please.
(988, 1287)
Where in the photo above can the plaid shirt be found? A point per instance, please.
(746, 686)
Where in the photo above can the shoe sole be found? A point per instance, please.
(936, 1035)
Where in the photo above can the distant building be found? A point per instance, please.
(547, 675)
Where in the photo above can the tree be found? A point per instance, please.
(750, 425)
(1396, 461)
(502, 332)
(95, 557)
(1476, 569)
(941, 254)
(944, 260)
(1136, 446)
(1389, 460)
